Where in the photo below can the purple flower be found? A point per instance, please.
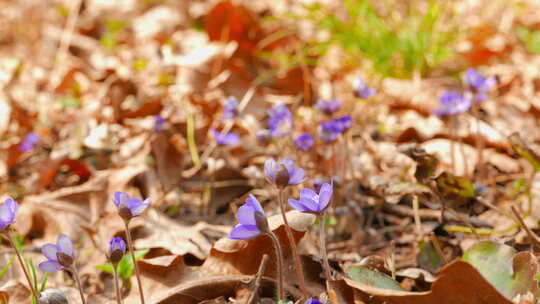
(313, 301)
(29, 142)
(310, 201)
(345, 122)
(328, 107)
(159, 123)
(479, 84)
(304, 142)
(8, 211)
(318, 183)
(228, 139)
(117, 249)
(283, 173)
(330, 130)
(230, 108)
(117, 244)
(280, 120)
(129, 207)
(59, 256)
(248, 226)
(452, 103)
(361, 90)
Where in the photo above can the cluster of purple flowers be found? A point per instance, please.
(361, 89)
(29, 142)
(280, 120)
(454, 102)
(225, 139)
(282, 173)
(331, 129)
(159, 123)
(304, 142)
(479, 84)
(328, 107)
(230, 108)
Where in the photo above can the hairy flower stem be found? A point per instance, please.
(8, 235)
(73, 270)
(322, 245)
(116, 284)
(279, 257)
(132, 252)
(294, 250)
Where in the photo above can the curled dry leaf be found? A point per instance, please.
(232, 263)
(15, 291)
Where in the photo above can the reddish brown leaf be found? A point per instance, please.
(230, 22)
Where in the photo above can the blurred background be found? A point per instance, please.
(100, 96)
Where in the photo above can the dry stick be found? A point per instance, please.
(417, 220)
(479, 144)
(65, 42)
(453, 136)
(530, 194)
(116, 285)
(462, 150)
(35, 293)
(73, 270)
(437, 246)
(465, 221)
(532, 235)
(137, 272)
(258, 277)
(322, 245)
(294, 250)
(228, 126)
(393, 258)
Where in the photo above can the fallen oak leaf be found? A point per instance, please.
(206, 289)
(458, 283)
(233, 257)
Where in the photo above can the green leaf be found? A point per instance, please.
(5, 268)
(523, 150)
(510, 273)
(428, 258)
(108, 268)
(373, 278)
(125, 266)
(451, 185)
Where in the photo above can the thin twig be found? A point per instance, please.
(417, 219)
(258, 277)
(65, 42)
(437, 246)
(535, 239)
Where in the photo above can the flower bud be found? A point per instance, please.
(125, 214)
(52, 296)
(262, 222)
(64, 259)
(282, 177)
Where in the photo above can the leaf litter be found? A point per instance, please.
(426, 208)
